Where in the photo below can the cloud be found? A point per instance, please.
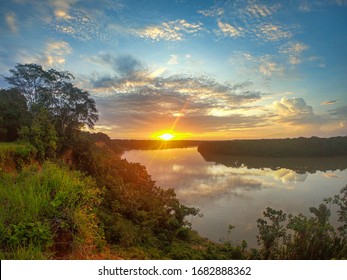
(331, 175)
(202, 103)
(330, 102)
(168, 31)
(294, 51)
(272, 32)
(251, 19)
(173, 59)
(287, 175)
(340, 112)
(124, 65)
(212, 12)
(308, 6)
(229, 30)
(297, 114)
(261, 10)
(216, 187)
(292, 107)
(55, 53)
(62, 7)
(269, 68)
(11, 22)
(264, 65)
(84, 25)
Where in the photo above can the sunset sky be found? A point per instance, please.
(203, 69)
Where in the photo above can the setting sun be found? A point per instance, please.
(166, 136)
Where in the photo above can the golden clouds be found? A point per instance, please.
(169, 31)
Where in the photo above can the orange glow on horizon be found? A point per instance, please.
(166, 136)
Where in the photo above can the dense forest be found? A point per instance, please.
(296, 147)
(67, 194)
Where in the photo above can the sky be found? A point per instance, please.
(204, 70)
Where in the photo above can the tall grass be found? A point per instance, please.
(46, 211)
(14, 155)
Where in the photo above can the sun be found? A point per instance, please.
(166, 136)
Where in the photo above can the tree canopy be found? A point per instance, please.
(13, 113)
(68, 107)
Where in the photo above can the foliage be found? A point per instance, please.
(50, 210)
(13, 113)
(68, 107)
(304, 237)
(41, 134)
(13, 155)
(271, 232)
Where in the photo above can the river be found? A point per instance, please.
(231, 190)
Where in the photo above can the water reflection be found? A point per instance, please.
(236, 191)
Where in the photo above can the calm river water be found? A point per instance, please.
(231, 190)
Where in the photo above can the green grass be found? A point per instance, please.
(22, 148)
(43, 206)
(14, 155)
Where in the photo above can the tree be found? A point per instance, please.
(69, 108)
(32, 81)
(271, 232)
(41, 134)
(13, 114)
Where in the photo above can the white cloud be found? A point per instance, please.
(229, 30)
(289, 107)
(11, 22)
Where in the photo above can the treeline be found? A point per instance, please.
(296, 147)
(153, 144)
(298, 164)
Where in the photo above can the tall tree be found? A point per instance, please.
(68, 107)
(32, 81)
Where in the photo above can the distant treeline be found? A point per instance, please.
(296, 147)
(153, 144)
(300, 165)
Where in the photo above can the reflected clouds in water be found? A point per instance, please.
(231, 190)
